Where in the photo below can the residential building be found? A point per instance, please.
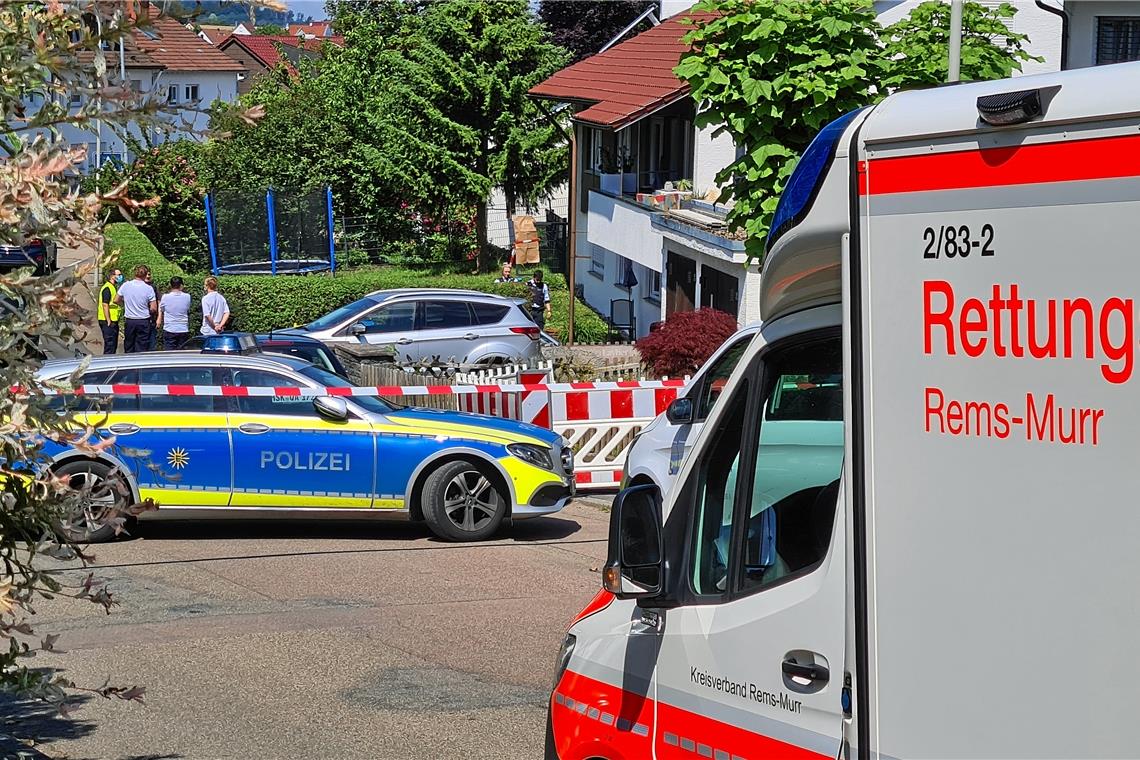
(259, 53)
(634, 137)
(312, 29)
(215, 33)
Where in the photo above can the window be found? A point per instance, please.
(597, 261)
(651, 286)
(716, 377)
(396, 317)
(337, 316)
(799, 457)
(76, 99)
(716, 495)
(766, 501)
(489, 313)
(441, 315)
(191, 93)
(314, 354)
(136, 85)
(172, 93)
(1117, 39)
(256, 378)
(174, 376)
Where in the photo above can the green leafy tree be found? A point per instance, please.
(918, 45)
(270, 30)
(772, 73)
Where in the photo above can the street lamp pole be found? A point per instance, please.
(955, 40)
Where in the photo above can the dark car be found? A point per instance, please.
(34, 253)
(309, 349)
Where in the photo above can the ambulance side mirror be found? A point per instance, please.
(331, 408)
(635, 565)
(680, 411)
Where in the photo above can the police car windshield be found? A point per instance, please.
(329, 380)
(336, 316)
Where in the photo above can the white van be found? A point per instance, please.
(908, 528)
(657, 452)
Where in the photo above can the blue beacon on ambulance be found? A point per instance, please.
(301, 453)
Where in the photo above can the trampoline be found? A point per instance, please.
(290, 233)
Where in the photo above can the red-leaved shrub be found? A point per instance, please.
(685, 341)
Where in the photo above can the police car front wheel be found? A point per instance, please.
(460, 503)
(102, 493)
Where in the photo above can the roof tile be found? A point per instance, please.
(179, 49)
(628, 81)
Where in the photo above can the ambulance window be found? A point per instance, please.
(799, 457)
(716, 378)
(256, 378)
(175, 376)
(716, 494)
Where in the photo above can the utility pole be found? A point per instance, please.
(955, 40)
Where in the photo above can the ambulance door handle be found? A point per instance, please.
(124, 428)
(253, 428)
(812, 672)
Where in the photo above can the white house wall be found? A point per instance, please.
(711, 153)
(1082, 27)
(212, 85)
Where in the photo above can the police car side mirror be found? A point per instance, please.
(357, 329)
(635, 566)
(331, 408)
(680, 411)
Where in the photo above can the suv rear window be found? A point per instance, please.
(489, 313)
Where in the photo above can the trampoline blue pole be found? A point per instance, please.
(332, 245)
(210, 234)
(272, 216)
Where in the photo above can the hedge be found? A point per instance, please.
(260, 303)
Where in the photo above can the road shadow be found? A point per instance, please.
(33, 719)
(522, 531)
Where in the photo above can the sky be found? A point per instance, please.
(314, 8)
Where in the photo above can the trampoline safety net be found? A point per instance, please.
(276, 232)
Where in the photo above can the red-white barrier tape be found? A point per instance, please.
(375, 390)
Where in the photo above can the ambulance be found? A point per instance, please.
(909, 529)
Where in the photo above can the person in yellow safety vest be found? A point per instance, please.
(109, 311)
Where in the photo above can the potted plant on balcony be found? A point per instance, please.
(628, 175)
(610, 173)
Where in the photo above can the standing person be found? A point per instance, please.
(110, 311)
(539, 299)
(215, 310)
(137, 299)
(506, 274)
(174, 316)
(153, 316)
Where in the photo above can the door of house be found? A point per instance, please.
(720, 290)
(681, 284)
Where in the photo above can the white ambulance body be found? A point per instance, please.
(909, 528)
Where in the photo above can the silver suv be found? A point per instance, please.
(463, 326)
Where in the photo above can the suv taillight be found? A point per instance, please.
(530, 332)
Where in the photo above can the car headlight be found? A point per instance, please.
(563, 659)
(539, 456)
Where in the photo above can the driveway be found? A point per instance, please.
(336, 639)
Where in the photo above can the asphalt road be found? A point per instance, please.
(305, 639)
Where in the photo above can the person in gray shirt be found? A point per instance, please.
(138, 302)
(174, 316)
(215, 310)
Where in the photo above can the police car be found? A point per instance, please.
(243, 455)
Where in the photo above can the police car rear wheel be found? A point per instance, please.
(104, 494)
(462, 504)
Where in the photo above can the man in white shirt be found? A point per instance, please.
(138, 302)
(215, 310)
(174, 316)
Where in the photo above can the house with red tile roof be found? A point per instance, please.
(261, 53)
(165, 60)
(647, 234)
(312, 29)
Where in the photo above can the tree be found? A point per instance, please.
(918, 45)
(50, 52)
(270, 30)
(771, 74)
(584, 26)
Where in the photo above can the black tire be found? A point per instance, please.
(110, 493)
(460, 503)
